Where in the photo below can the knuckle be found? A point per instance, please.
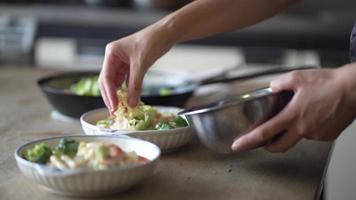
(137, 63)
(270, 149)
(301, 130)
(309, 137)
(290, 114)
(318, 137)
(261, 134)
(103, 77)
(294, 77)
(142, 61)
(110, 47)
(322, 137)
(283, 149)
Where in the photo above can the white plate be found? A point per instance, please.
(90, 182)
(167, 140)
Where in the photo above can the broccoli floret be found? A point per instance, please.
(177, 122)
(39, 154)
(163, 126)
(180, 122)
(67, 147)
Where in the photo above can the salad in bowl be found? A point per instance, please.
(85, 165)
(141, 117)
(157, 124)
(71, 154)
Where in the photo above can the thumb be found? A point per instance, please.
(135, 83)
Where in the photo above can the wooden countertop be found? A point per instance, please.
(191, 173)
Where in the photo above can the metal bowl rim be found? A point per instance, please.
(245, 97)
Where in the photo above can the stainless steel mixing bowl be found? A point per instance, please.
(219, 123)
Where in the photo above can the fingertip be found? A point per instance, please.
(241, 144)
(112, 108)
(236, 146)
(132, 101)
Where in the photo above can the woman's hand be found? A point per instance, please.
(323, 105)
(128, 59)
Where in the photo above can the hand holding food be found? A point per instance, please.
(141, 117)
(128, 59)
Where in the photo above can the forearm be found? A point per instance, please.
(203, 18)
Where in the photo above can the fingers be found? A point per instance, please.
(108, 78)
(135, 83)
(264, 133)
(109, 84)
(104, 96)
(285, 142)
(289, 81)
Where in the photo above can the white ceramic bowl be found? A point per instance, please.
(167, 140)
(90, 182)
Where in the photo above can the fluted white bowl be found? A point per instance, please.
(90, 182)
(167, 140)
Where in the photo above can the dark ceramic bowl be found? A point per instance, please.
(56, 89)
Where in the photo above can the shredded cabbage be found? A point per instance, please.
(137, 118)
(141, 117)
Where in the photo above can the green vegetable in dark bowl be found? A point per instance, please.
(87, 86)
(67, 147)
(39, 154)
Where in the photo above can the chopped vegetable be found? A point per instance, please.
(101, 152)
(138, 118)
(141, 117)
(67, 147)
(165, 91)
(104, 123)
(39, 154)
(163, 126)
(180, 122)
(89, 86)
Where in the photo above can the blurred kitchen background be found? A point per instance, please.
(72, 34)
